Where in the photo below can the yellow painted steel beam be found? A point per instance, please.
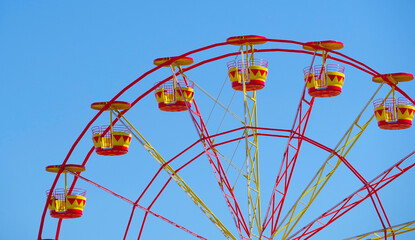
(251, 146)
(325, 172)
(175, 176)
(219, 103)
(380, 234)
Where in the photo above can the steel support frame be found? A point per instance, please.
(217, 167)
(356, 198)
(394, 230)
(325, 172)
(290, 156)
(173, 174)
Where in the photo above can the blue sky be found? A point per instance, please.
(57, 57)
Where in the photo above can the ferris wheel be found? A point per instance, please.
(213, 141)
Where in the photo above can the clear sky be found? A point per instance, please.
(57, 57)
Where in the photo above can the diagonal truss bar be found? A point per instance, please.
(216, 164)
(175, 176)
(325, 172)
(218, 170)
(394, 230)
(135, 204)
(74, 145)
(219, 103)
(252, 161)
(287, 167)
(288, 163)
(251, 143)
(356, 198)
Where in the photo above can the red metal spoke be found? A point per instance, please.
(58, 229)
(218, 170)
(136, 205)
(151, 204)
(368, 188)
(193, 159)
(340, 209)
(216, 166)
(287, 164)
(178, 170)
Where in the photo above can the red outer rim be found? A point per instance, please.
(119, 105)
(329, 44)
(350, 61)
(399, 77)
(70, 167)
(177, 62)
(256, 39)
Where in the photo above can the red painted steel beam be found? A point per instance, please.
(136, 205)
(344, 206)
(283, 178)
(146, 93)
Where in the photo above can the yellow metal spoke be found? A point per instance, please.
(380, 234)
(175, 176)
(322, 176)
(219, 103)
(251, 147)
(231, 163)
